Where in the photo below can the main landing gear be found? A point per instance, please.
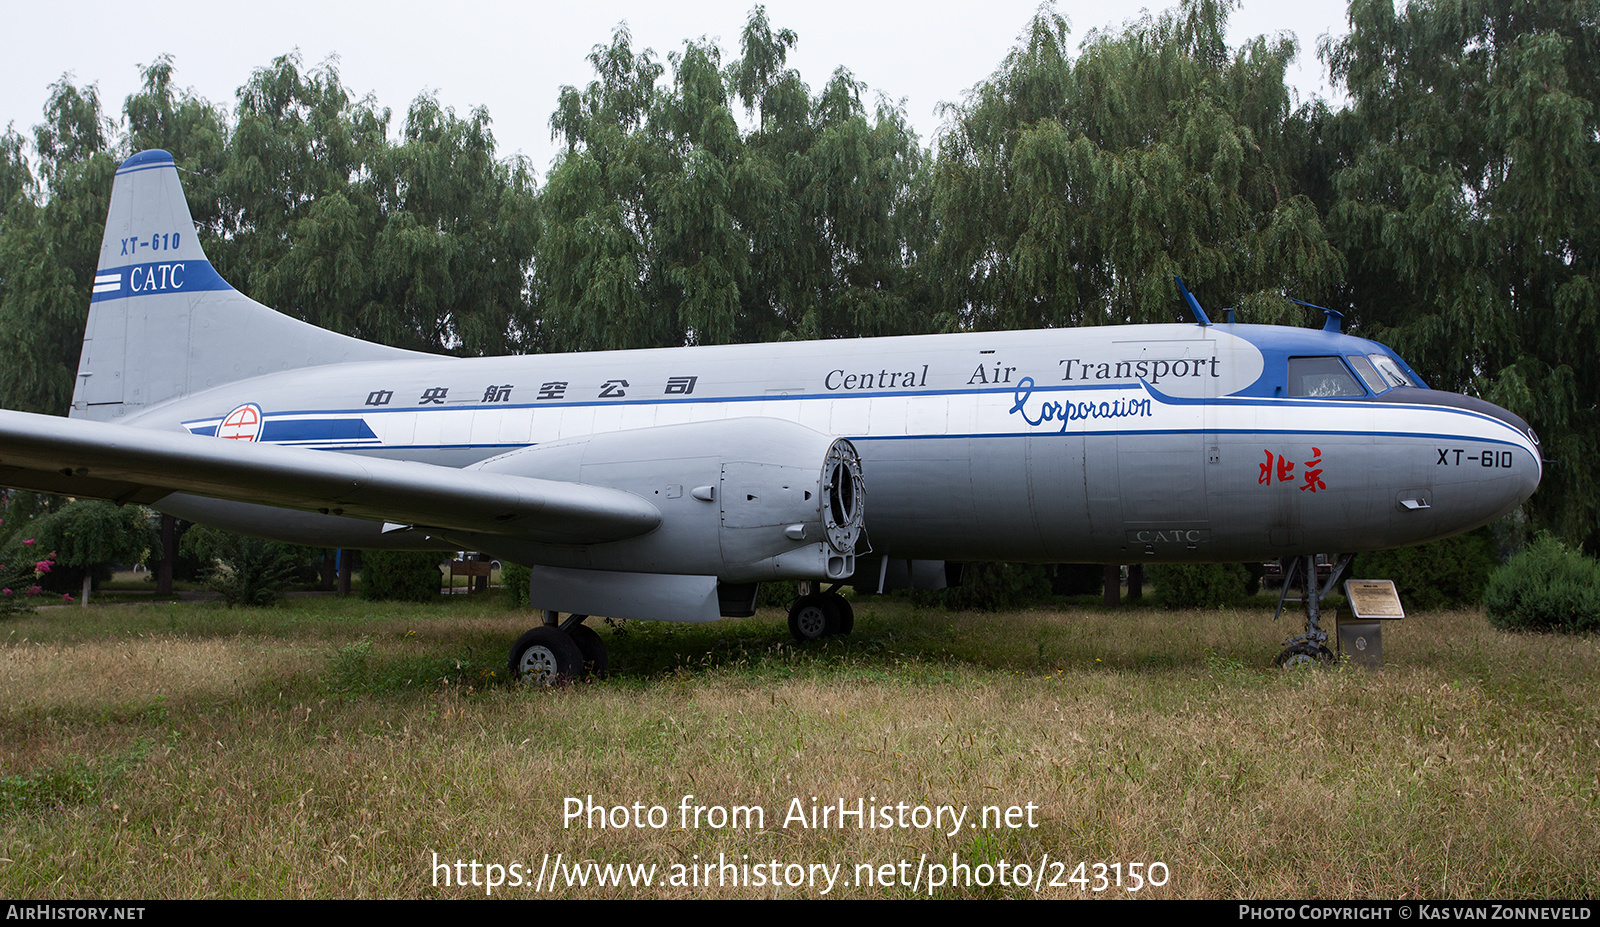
(815, 615)
(558, 652)
(1312, 646)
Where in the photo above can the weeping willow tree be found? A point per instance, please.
(1070, 191)
(1468, 202)
(424, 243)
(51, 219)
(665, 223)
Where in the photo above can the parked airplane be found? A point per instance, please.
(666, 484)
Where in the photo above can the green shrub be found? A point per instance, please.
(993, 587)
(243, 570)
(515, 576)
(776, 594)
(1547, 587)
(1445, 574)
(1198, 585)
(401, 575)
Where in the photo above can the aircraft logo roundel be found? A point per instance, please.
(242, 424)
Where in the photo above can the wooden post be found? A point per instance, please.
(1135, 582)
(1113, 585)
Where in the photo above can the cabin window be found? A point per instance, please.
(1322, 377)
(1368, 374)
(1391, 371)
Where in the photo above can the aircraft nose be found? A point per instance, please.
(1511, 468)
(1488, 459)
(1526, 437)
(1530, 476)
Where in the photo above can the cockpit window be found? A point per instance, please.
(1369, 374)
(1322, 377)
(1391, 371)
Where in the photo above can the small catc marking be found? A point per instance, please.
(242, 424)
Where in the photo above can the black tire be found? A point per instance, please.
(545, 657)
(813, 617)
(592, 648)
(1304, 653)
(847, 614)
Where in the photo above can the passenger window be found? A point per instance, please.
(1369, 375)
(1322, 377)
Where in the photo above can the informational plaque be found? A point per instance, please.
(1373, 599)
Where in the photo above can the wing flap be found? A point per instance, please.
(121, 463)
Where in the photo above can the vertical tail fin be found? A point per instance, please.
(162, 322)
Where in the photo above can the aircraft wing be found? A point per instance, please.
(125, 464)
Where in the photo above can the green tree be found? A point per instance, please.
(667, 224)
(1468, 204)
(423, 245)
(450, 259)
(593, 257)
(1070, 192)
(49, 247)
(298, 219)
(86, 537)
(195, 133)
(402, 575)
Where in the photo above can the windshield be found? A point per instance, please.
(1391, 371)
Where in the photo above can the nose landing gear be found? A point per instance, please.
(1312, 646)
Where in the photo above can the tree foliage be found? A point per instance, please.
(422, 244)
(1468, 203)
(665, 224)
(85, 533)
(1071, 191)
(1200, 585)
(1547, 587)
(1445, 574)
(242, 570)
(49, 247)
(401, 575)
(86, 537)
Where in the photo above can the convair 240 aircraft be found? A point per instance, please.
(666, 484)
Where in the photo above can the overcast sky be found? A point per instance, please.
(513, 58)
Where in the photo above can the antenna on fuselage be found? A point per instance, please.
(1334, 321)
(1194, 304)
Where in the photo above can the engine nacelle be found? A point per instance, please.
(744, 500)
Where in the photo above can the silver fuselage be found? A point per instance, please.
(1115, 444)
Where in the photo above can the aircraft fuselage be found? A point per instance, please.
(1115, 444)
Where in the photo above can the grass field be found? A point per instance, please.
(341, 748)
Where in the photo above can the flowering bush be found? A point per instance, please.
(20, 574)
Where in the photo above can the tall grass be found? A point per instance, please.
(339, 748)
